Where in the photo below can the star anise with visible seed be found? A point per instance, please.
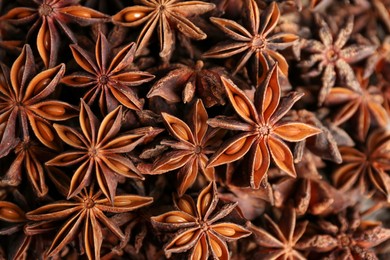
(168, 15)
(200, 228)
(192, 148)
(108, 78)
(367, 168)
(254, 41)
(85, 214)
(99, 151)
(23, 105)
(332, 55)
(185, 82)
(262, 129)
(363, 105)
(344, 236)
(279, 240)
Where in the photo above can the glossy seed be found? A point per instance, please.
(8, 213)
(184, 239)
(236, 147)
(258, 159)
(53, 110)
(80, 13)
(45, 131)
(73, 138)
(180, 131)
(133, 16)
(23, 14)
(242, 106)
(122, 202)
(205, 203)
(225, 231)
(197, 255)
(216, 248)
(46, 42)
(175, 219)
(185, 206)
(41, 85)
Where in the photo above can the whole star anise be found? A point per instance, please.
(254, 41)
(23, 103)
(262, 129)
(168, 15)
(199, 228)
(332, 55)
(99, 151)
(107, 76)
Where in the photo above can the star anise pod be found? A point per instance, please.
(168, 15)
(278, 240)
(332, 55)
(185, 82)
(254, 41)
(262, 129)
(23, 103)
(85, 214)
(367, 168)
(344, 236)
(51, 16)
(99, 151)
(108, 77)
(364, 105)
(200, 228)
(192, 148)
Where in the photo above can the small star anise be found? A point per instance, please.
(167, 15)
(99, 151)
(190, 151)
(51, 16)
(107, 78)
(199, 227)
(332, 55)
(262, 132)
(279, 240)
(364, 105)
(366, 169)
(85, 213)
(23, 105)
(255, 41)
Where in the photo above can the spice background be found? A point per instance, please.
(220, 129)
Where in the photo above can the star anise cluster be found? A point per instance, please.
(194, 129)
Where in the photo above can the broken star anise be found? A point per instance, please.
(262, 129)
(107, 77)
(199, 228)
(254, 41)
(99, 151)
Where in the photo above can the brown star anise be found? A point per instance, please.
(183, 83)
(51, 16)
(85, 213)
(332, 55)
(108, 77)
(279, 240)
(199, 227)
(344, 236)
(366, 169)
(23, 105)
(190, 151)
(255, 42)
(262, 131)
(364, 105)
(99, 151)
(167, 14)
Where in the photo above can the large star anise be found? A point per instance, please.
(168, 15)
(332, 55)
(262, 133)
(51, 16)
(199, 227)
(366, 169)
(85, 214)
(364, 105)
(278, 240)
(23, 105)
(99, 151)
(255, 41)
(108, 78)
(190, 151)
